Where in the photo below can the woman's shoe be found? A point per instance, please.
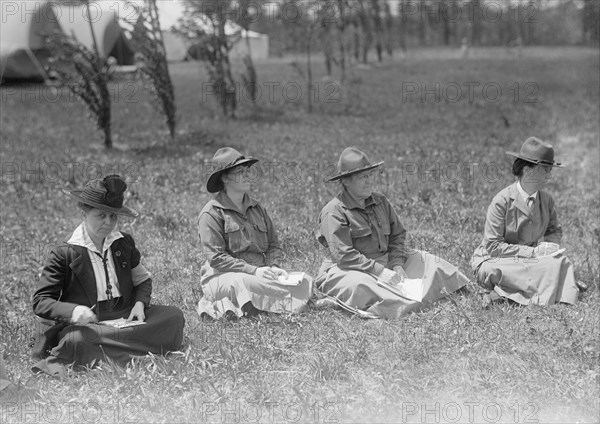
(582, 285)
(490, 298)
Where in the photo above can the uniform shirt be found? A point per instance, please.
(363, 239)
(513, 230)
(524, 194)
(237, 241)
(80, 237)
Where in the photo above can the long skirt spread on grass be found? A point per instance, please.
(362, 293)
(84, 345)
(229, 291)
(537, 281)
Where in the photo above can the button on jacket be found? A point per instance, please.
(512, 229)
(234, 240)
(363, 239)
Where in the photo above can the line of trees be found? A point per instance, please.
(385, 25)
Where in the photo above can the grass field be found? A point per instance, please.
(444, 160)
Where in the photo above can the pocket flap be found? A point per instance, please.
(230, 225)
(360, 232)
(261, 226)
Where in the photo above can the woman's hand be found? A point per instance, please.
(390, 277)
(265, 272)
(279, 272)
(400, 271)
(137, 312)
(544, 249)
(83, 315)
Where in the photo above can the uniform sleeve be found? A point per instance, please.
(214, 247)
(554, 232)
(274, 253)
(397, 251)
(493, 235)
(336, 232)
(140, 276)
(52, 282)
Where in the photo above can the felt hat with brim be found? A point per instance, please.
(536, 151)
(225, 158)
(352, 161)
(106, 194)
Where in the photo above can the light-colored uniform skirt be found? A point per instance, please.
(229, 291)
(538, 281)
(356, 290)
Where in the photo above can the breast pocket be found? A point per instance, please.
(260, 235)
(361, 238)
(235, 237)
(360, 232)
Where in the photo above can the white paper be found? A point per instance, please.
(292, 279)
(412, 288)
(558, 252)
(121, 323)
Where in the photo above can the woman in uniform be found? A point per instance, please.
(242, 272)
(368, 268)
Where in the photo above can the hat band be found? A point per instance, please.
(99, 197)
(538, 161)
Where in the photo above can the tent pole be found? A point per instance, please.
(38, 65)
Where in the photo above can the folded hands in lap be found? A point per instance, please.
(270, 272)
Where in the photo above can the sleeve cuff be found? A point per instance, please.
(139, 274)
(378, 268)
(250, 269)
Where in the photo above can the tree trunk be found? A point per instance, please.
(342, 40)
(403, 26)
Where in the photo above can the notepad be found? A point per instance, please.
(292, 279)
(556, 253)
(411, 288)
(121, 323)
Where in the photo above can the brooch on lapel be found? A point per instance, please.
(118, 253)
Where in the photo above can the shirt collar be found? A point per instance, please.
(80, 237)
(524, 194)
(351, 203)
(224, 202)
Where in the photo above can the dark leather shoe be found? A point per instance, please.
(582, 285)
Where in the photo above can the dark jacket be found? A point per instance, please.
(68, 280)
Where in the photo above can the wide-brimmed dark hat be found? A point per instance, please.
(352, 161)
(225, 159)
(106, 194)
(536, 151)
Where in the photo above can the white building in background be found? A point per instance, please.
(177, 47)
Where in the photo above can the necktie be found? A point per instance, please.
(530, 202)
(109, 294)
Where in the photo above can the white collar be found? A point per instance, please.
(80, 237)
(524, 194)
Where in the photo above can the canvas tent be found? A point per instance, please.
(22, 52)
(171, 11)
(175, 47)
(105, 21)
(259, 45)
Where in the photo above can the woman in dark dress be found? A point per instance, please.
(96, 276)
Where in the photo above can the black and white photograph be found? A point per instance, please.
(300, 211)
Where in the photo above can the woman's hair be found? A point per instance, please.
(219, 184)
(84, 207)
(518, 165)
